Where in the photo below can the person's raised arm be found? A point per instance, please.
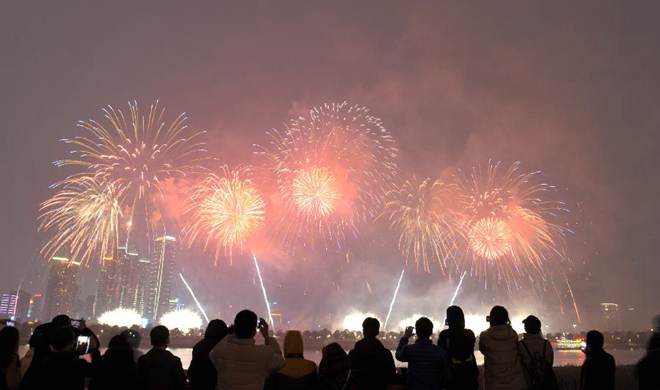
(401, 354)
(275, 361)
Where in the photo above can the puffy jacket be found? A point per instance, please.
(502, 368)
(427, 364)
(243, 365)
(297, 373)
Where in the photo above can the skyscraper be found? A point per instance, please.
(62, 287)
(160, 278)
(8, 305)
(23, 305)
(119, 282)
(35, 306)
(611, 316)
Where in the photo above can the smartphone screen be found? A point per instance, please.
(82, 345)
(10, 323)
(75, 323)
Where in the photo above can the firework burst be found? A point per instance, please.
(135, 153)
(423, 215)
(332, 169)
(226, 210)
(84, 217)
(507, 224)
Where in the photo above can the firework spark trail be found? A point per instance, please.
(575, 306)
(120, 167)
(460, 283)
(332, 169)
(421, 213)
(396, 293)
(263, 290)
(224, 209)
(190, 290)
(83, 216)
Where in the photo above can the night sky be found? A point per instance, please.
(570, 89)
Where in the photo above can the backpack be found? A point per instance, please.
(540, 373)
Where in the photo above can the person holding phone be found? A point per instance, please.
(64, 368)
(239, 361)
(427, 363)
(499, 345)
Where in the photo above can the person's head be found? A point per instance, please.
(119, 342)
(61, 321)
(245, 324)
(160, 336)
(455, 318)
(62, 339)
(595, 340)
(216, 330)
(333, 351)
(293, 344)
(424, 328)
(132, 337)
(498, 316)
(8, 344)
(532, 325)
(370, 327)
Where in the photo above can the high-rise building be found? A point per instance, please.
(160, 278)
(8, 305)
(35, 306)
(61, 288)
(120, 281)
(23, 305)
(611, 316)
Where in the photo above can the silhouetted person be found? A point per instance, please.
(459, 344)
(117, 369)
(499, 345)
(648, 369)
(427, 363)
(10, 364)
(201, 374)
(372, 365)
(159, 369)
(536, 356)
(298, 373)
(62, 368)
(334, 367)
(240, 363)
(598, 369)
(134, 340)
(40, 341)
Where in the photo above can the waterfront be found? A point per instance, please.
(562, 358)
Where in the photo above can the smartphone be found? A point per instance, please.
(82, 344)
(10, 323)
(75, 324)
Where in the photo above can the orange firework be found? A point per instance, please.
(423, 215)
(226, 210)
(507, 223)
(331, 169)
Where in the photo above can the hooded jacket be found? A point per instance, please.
(502, 368)
(243, 365)
(297, 373)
